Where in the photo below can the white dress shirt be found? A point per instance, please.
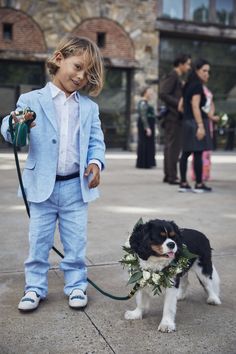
(67, 117)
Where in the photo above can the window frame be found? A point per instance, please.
(186, 14)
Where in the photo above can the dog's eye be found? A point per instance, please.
(172, 234)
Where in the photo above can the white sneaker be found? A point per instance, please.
(29, 301)
(202, 189)
(78, 299)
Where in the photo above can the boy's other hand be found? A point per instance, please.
(28, 116)
(95, 171)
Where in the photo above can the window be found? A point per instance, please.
(21, 73)
(7, 31)
(8, 3)
(101, 39)
(113, 107)
(173, 9)
(221, 12)
(199, 10)
(225, 12)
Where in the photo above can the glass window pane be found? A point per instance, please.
(112, 107)
(199, 10)
(225, 12)
(7, 100)
(17, 72)
(173, 9)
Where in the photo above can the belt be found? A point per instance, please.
(66, 178)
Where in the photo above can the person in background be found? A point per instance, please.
(146, 131)
(196, 131)
(209, 109)
(171, 94)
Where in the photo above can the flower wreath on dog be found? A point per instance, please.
(156, 279)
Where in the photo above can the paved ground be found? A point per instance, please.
(127, 194)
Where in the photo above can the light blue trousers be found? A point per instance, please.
(66, 206)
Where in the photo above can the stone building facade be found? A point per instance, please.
(124, 32)
(138, 40)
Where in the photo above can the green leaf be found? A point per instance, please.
(157, 290)
(187, 254)
(127, 249)
(123, 261)
(135, 277)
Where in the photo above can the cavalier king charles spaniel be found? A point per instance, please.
(157, 243)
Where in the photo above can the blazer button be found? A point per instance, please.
(54, 141)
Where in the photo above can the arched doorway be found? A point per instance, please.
(23, 52)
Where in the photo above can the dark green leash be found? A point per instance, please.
(19, 133)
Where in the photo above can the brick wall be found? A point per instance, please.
(117, 43)
(27, 36)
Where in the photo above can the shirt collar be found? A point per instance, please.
(55, 91)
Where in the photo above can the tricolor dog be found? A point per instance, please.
(157, 243)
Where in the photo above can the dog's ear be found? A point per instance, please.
(139, 241)
(175, 228)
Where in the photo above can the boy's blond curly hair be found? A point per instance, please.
(74, 45)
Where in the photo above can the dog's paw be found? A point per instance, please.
(133, 315)
(166, 327)
(213, 300)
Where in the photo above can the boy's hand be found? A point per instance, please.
(95, 171)
(28, 116)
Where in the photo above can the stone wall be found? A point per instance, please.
(136, 18)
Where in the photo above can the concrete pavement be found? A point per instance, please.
(126, 194)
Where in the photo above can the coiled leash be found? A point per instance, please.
(19, 134)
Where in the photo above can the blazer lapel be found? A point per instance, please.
(45, 99)
(83, 110)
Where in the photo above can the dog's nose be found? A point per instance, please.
(171, 245)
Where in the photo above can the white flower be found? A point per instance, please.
(146, 275)
(130, 257)
(224, 118)
(142, 283)
(178, 270)
(155, 278)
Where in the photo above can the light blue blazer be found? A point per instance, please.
(41, 164)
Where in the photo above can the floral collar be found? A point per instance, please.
(155, 279)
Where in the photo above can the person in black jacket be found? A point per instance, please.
(171, 94)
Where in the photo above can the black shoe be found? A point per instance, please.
(175, 182)
(184, 187)
(202, 188)
(165, 180)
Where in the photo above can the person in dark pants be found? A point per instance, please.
(146, 131)
(196, 130)
(171, 94)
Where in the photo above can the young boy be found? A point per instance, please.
(62, 171)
